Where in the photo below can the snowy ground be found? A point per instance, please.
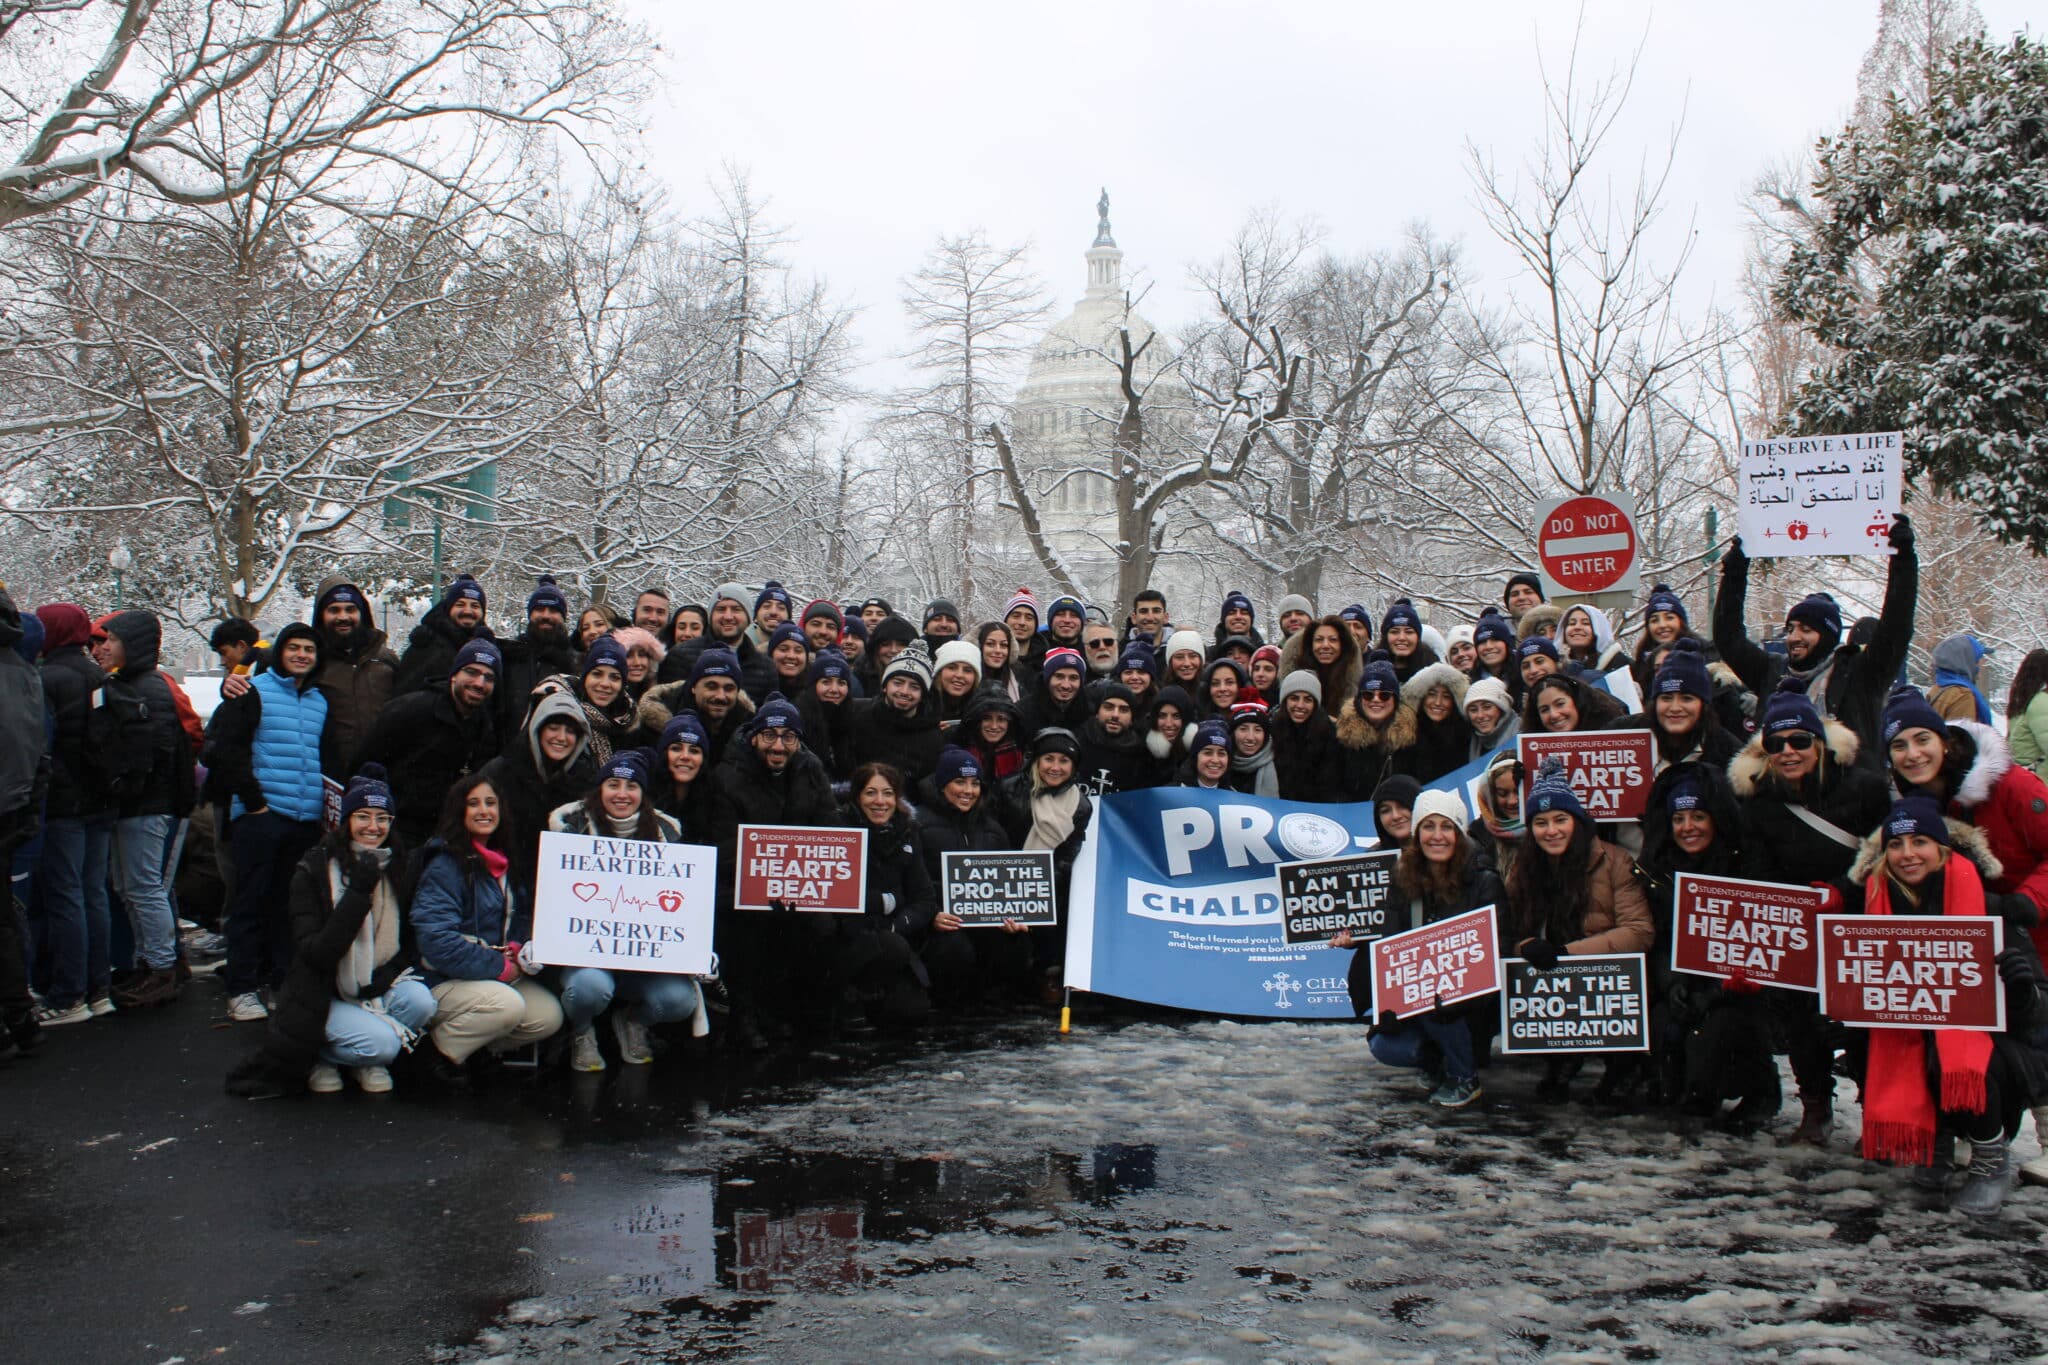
(1255, 1192)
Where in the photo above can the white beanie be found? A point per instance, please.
(1301, 680)
(1460, 635)
(1448, 804)
(1180, 640)
(957, 652)
(1493, 690)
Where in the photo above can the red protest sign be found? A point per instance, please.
(1610, 770)
(1912, 971)
(1722, 926)
(805, 867)
(1439, 964)
(1587, 544)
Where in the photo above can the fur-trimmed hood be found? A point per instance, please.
(1747, 770)
(1354, 731)
(1964, 837)
(663, 700)
(1417, 687)
(1993, 762)
(1544, 618)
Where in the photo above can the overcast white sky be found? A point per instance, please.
(873, 128)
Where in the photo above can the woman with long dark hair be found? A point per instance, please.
(998, 659)
(2026, 713)
(1570, 894)
(1328, 650)
(471, 920)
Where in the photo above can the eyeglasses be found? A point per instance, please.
(1095, 646)
(1798, 740)
(781, 739)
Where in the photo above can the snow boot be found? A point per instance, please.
(1935, 1175)
(1816, 1121)
(1987, 1182)
(2035, 1172)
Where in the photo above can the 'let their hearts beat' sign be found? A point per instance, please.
(624, 904)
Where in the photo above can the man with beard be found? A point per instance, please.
(1113, 756)
(895, 727)
(1845, 682)
(358, 672)
(727, 631)
(712, 690)
(650, 610)
(449, 624)
(430, 739)
(542, 650)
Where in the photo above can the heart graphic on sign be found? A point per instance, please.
(670, 901)
(585, 890)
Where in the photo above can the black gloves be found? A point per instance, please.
(1902, 534)
(1387, 1019)
(1736, 560)
(2016, 965)
(1541, 952)
(2015, 908)
(363, 873)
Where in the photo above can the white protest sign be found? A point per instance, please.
(625, 904)
(1819, 495)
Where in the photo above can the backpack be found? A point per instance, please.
(120, 744)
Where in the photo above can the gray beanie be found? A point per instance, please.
(1294, 601)
(1302, 680)
(736, 591)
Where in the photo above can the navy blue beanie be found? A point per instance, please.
(715, 663)
(478, 652)
(1211, 734)
(1236, 601)
(1685, 794)
(1493, 626)
(771, 591)
(1819, 612)
(955, 763)
(1538, 644)
(630, 764)
(1379, 676)
(1907, 708)
(788, 630)
(369, 789)
(1402, 613)
(830, 663)
(1684, 673)
(546, 594)
(1916, 815)
(1552, 792)
(685, 727)
(1140, 658)
(777, 713)
(1662, 598)
(1788, 709)
(463, 588)
(605, 652)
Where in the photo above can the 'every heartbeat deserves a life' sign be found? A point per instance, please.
(624, 904)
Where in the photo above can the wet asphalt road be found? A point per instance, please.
(1148, 1190)
(145, 1215)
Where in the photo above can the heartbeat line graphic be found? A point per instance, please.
(592, 893)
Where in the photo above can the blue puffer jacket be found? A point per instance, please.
(284, 753)
(460, 918)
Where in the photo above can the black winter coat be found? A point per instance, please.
(744, 792)
(826, 729)
(171, 789)
(430, 649)
(528, 793)
(1778, 846)
(1307, 758)
(70, 677)
(1041, 712)
(877, 732)
(1113, 763)
(426, 748)
(946, 830)
(1858, 679)
(900, 890)
(360, 679)
(24, 732)
(526, 662)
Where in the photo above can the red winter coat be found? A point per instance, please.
(2010, 805)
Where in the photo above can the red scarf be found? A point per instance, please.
(495, 862)
(1898, 1112)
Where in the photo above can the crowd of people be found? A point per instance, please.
(373, 816)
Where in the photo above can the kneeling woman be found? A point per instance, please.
(471, 919)
(1962, 1081)
(868, 964)
(619, 809)
(1442, 876)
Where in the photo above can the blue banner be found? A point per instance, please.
(1175, 902)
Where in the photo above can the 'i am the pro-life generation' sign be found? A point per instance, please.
(1599, 1002)
(988, 889)
(624, 904)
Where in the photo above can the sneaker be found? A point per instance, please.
(247, 1008)
(151, 989)
(375, 1080)
(101, 1006)
(1455, 1094)
(583, 1052)
(51, 1016)
(324, 1080)
(632, 1036)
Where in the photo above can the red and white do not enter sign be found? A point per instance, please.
(1587, 544)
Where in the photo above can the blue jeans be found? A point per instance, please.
(74, 878)
(1401, 1044)
(137, 862)
(360, 1037)
(661, 998)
